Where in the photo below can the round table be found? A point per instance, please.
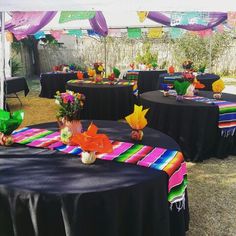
(52, 82)
(193, 125)
(104, 101)
(205, 78)
(43, 195)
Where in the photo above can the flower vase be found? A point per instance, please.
(88, 157)
(217, 95)
(179, 98)
(68, 129)
(98, 78)
(166, 93)
(136, 135)
(6, 140)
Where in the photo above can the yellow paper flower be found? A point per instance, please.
(100, 68)
(218, 86)
(91, 72)
(137, 119)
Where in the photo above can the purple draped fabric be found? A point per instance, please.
(98, 24)
(25, 23)
(216, 19)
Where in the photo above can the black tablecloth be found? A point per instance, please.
(53, 82)
(149, 80)
(207, 79)
(61, 196)
(193, 125)
(16, 84)
(103, 101)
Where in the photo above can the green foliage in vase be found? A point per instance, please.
(147, 57)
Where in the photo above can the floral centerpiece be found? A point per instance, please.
(99, 69)
(8, 123)
(217, 88)
(91, 142)
(137, 122)
(70, 106)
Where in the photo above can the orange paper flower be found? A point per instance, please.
(137, 119)
(90, 141)
(218, 86)
(80, 75)
(198, 84)
(91, 72)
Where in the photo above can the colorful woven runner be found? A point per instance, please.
(227, 113)
(170, 161)
(134, 83)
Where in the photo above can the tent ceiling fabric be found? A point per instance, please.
(118, 5)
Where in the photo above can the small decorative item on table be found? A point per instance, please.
(80, 75)
(187, 65)
(8, 123)
(198, 85)
(91, 142)
(111, 78)
(98, 67)
(166, 88)
(171, 70)
(70, 106)
(217, 88)
(181, 88)
(137, 122)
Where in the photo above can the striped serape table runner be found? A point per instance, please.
(133, 83)
(227, 113)
(170, 161)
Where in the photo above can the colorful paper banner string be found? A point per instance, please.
(155, 32)
(77, 33)
(39, 35)
(170, 161)
(75, 15)
(134, 33)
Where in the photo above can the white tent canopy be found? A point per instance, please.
(118, 5)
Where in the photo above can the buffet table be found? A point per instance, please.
(44, 195)
(207, 79)
(53, 82)
(104, 101)
(193, 125)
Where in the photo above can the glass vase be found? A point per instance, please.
(68, 129)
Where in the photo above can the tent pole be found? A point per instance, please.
(210, 54)
(105, 59)
(2, 68)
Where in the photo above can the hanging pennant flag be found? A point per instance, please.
(9, 36)
(176, 18)
(231, 19)
(176, 33)
(92, 33)
(220, 28)
(114, 32)
(75, 15)
(142, 15)
(134, 33)
(77, 32)
(155, 32)
(205, 33)
(56, 34)
(39, 35)
(189, 18)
